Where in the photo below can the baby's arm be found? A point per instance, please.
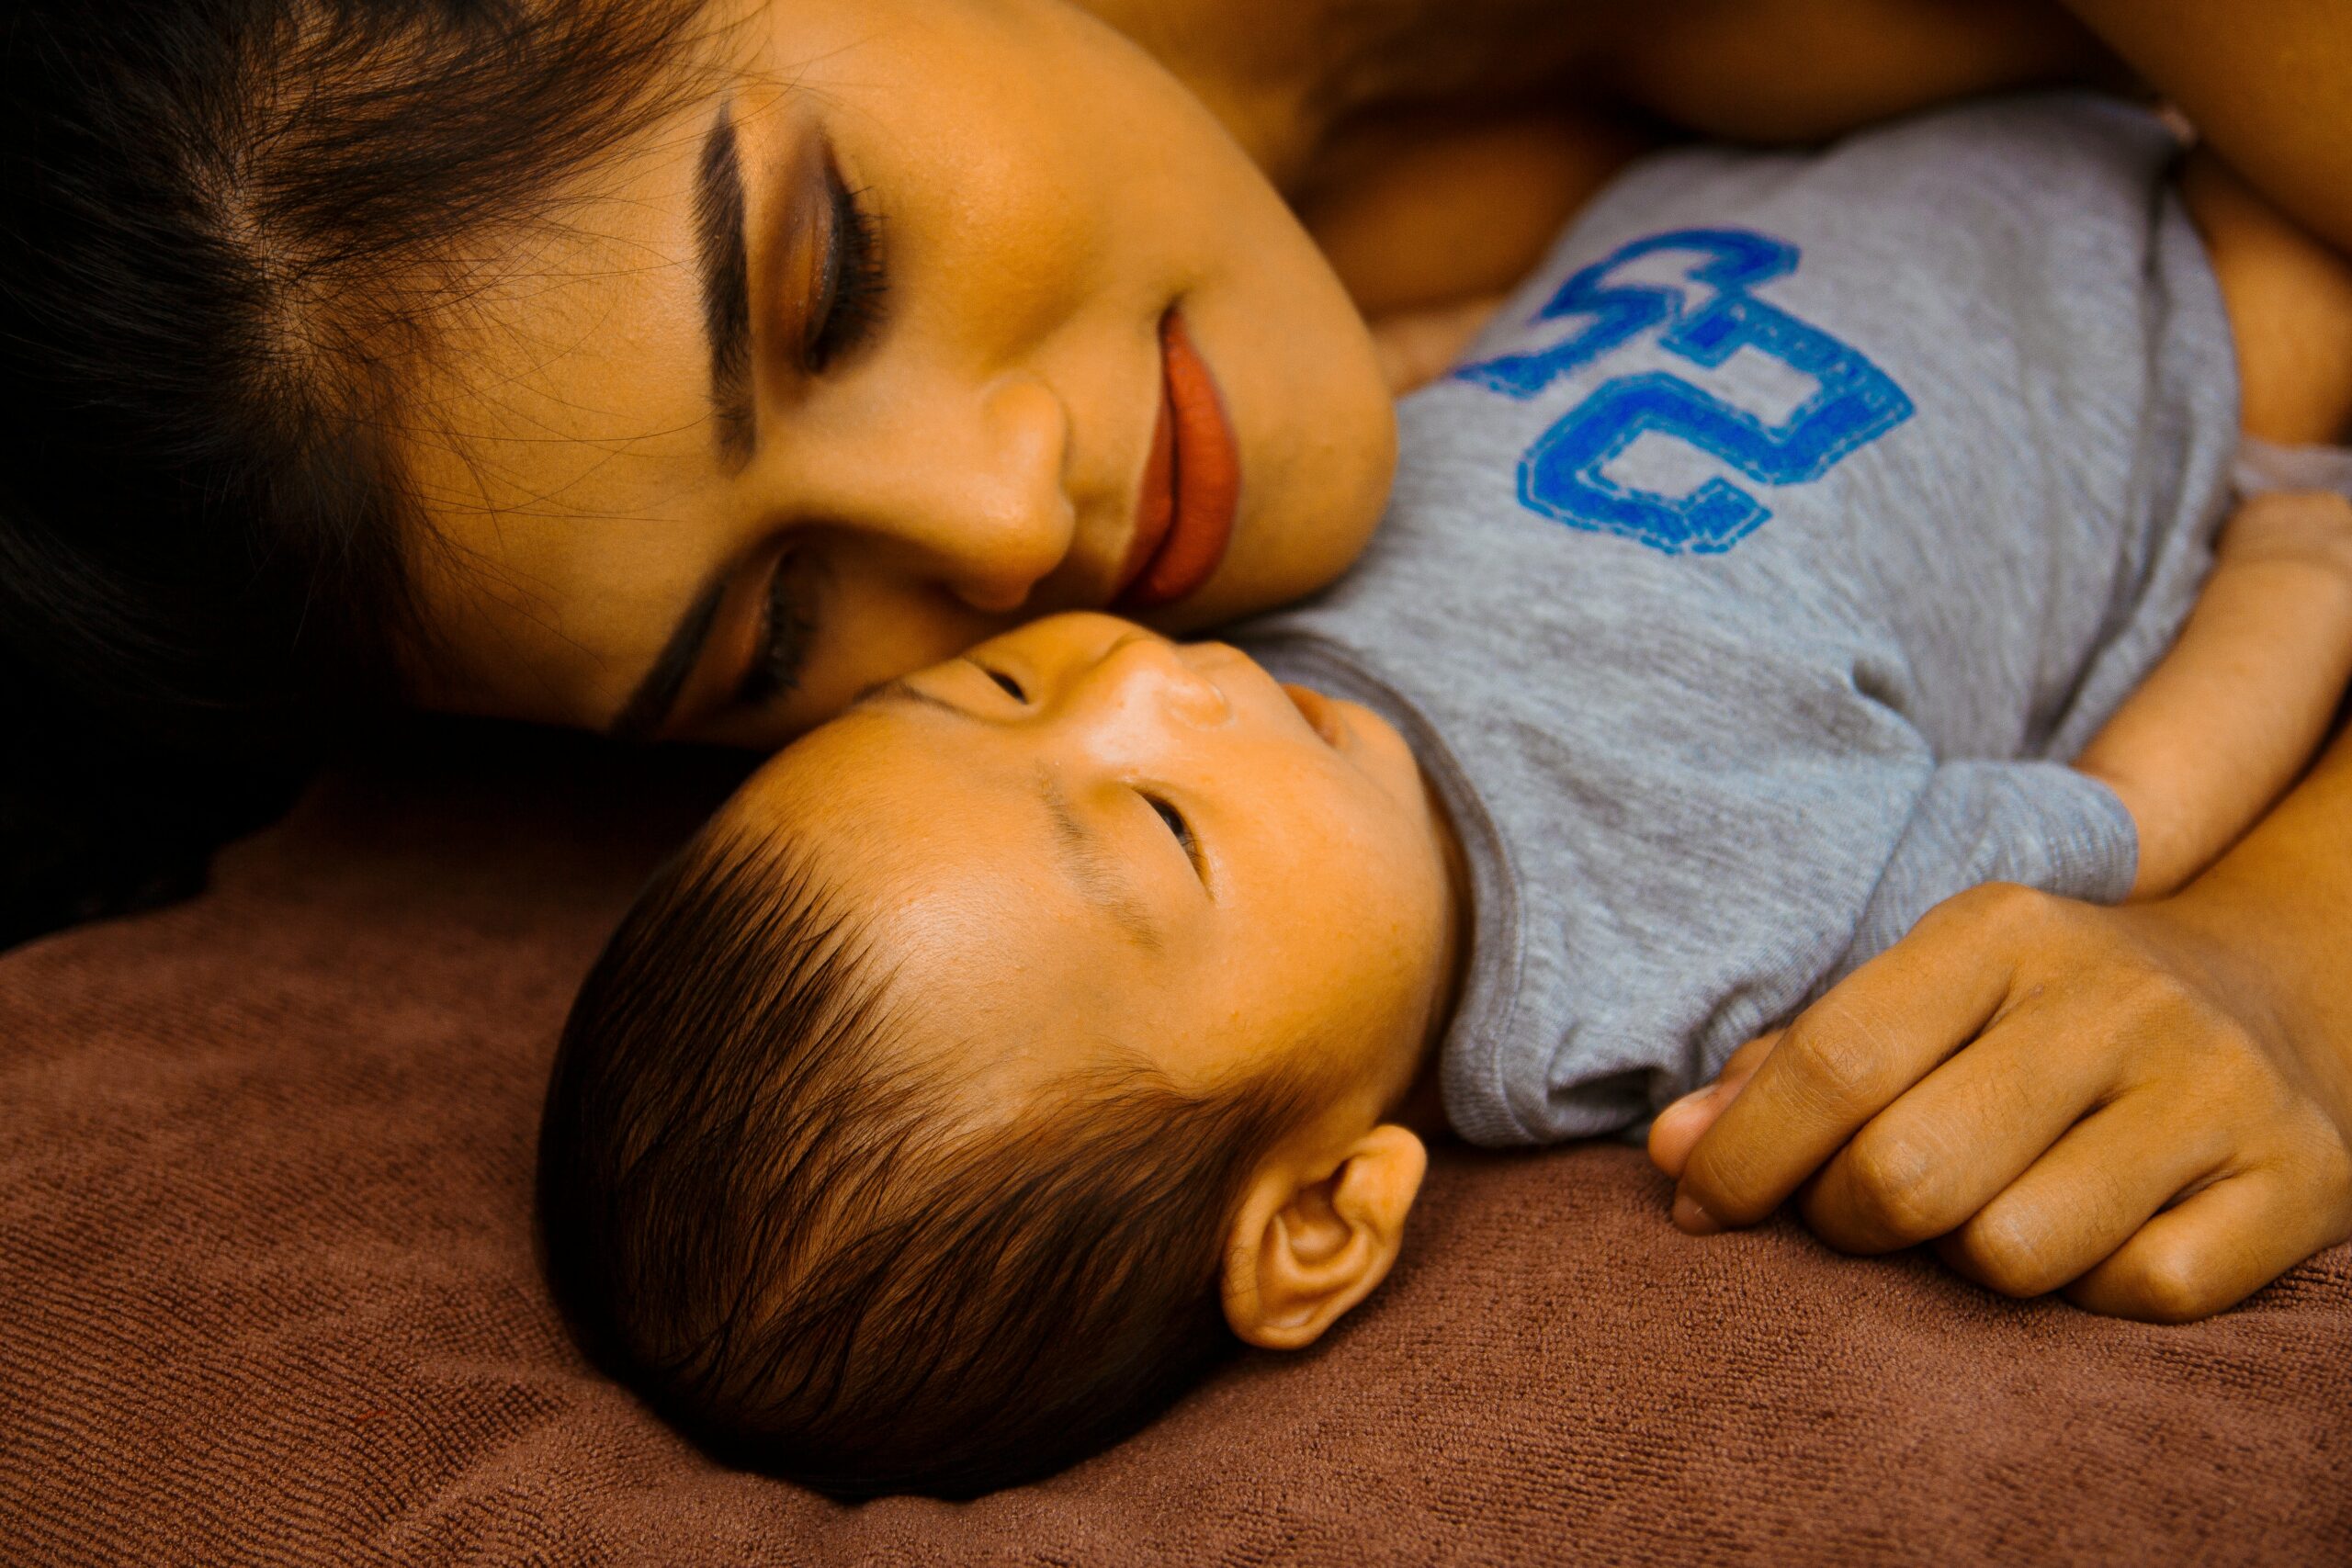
(2231, 717)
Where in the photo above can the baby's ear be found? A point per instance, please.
(1306, 1246)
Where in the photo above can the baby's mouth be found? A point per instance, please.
(1321, 714)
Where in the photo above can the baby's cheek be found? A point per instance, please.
(1380, 932)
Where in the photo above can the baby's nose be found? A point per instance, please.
(1152, 670)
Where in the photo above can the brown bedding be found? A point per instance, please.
(267, 1295)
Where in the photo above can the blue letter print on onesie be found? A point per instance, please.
(1560, 477)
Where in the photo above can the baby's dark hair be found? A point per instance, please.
(787, 1237)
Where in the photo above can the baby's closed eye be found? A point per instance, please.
(1182, 830)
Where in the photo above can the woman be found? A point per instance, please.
(679, 367)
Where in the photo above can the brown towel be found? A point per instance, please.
(267, 1295)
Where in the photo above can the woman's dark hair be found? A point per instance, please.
(232, 226)
(767, 1213)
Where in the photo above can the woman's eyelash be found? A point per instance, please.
(1011, 687)
(788, 626)
(856, 281)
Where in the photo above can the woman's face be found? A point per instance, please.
(921, 317)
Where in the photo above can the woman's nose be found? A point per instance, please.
(963, 484)
(992, 502)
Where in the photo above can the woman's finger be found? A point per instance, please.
(1845, 1058)
(1678, 1128)
(1967, 1131)
(2096, 1188)
(1741, 1065)
(2217, 1246)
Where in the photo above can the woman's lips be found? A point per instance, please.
(1192, 482)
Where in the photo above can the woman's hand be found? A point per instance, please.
(2150, 1107)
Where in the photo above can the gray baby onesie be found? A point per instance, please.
(1745, 592)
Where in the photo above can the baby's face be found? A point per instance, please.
(1081, 840)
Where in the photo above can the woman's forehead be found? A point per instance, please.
(557, 441)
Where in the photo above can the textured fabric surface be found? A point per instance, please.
(269, 1296)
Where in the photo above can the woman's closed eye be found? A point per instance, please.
(853, 282)
(787, 629)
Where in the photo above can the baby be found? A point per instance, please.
(1005, 1048)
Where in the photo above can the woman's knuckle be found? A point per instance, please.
(2172, 1284)
(2336, 1166)
(2008, 1256)
(2234, 1048)
(2155, 998)
(2321, 1149)
(2175, 1023)
(1998, 906)
(1835, 1067)
(2197, 1015)
(1894, 1189)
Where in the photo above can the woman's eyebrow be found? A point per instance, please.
(725, 268)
